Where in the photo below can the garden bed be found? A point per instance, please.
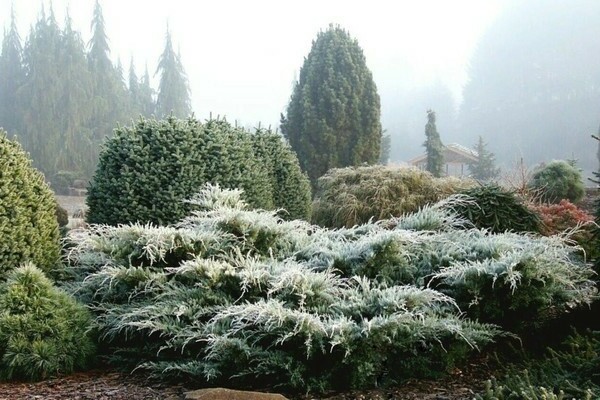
(98, 384)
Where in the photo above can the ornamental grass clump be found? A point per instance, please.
(44, 332)
(236, 296)
(28, 224)
(352, 196)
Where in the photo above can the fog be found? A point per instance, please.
(242, 57)
(522, 74)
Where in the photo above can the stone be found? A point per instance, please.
(228, 394)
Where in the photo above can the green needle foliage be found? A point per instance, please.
(569, 372)
(498, 210)
(333, 117)
(484, 169)
(557, 181)
(242, 297)
(28, 224)
(44, 332)
(433, 147)
(147, 170)
(174, 90)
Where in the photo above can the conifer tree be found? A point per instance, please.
(74, 149)
(386, 146)
(146, 95)
(11, 76)
(110, 93)
(38, 95)
(134, 88)
(173, 91)
(333, 117)
(433, 147)
(484, 169)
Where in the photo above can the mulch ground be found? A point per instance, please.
(107, 384)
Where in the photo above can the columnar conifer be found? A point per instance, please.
(333, 117)
(433, 146)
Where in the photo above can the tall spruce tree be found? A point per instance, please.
(38, 96)
(433, 147)
(484, 169)
(11, 76)
(74, 109)
(173, 90)
(146, 95)
(333, 117)
(110, 98)
(133, 85)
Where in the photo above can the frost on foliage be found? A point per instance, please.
(243, 297)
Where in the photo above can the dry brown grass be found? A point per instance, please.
(349, 196)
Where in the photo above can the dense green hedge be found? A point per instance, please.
(147, 170)
(28, 224)
(351, 196)
(44, 332)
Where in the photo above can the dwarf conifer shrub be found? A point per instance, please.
(351, 196)
(567, 372)
(558, 180)
(43, 330)
(238, 296)
(290, 187)
(28, 224)
(147, 170)
(498, 210)
(62, 216)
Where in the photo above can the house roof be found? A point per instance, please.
(456, 151)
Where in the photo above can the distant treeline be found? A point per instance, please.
(62, 97)
(533, 90)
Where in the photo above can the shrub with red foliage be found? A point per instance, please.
(559, 217)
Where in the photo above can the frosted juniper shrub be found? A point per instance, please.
(242, 297)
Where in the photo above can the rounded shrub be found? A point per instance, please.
(290, 186)
(498, 210)
(558, 180)
(44, 332)
(148, 170)
(62, 216)
(353, 195)
(28, 223)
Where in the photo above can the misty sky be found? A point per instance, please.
(242, 57)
